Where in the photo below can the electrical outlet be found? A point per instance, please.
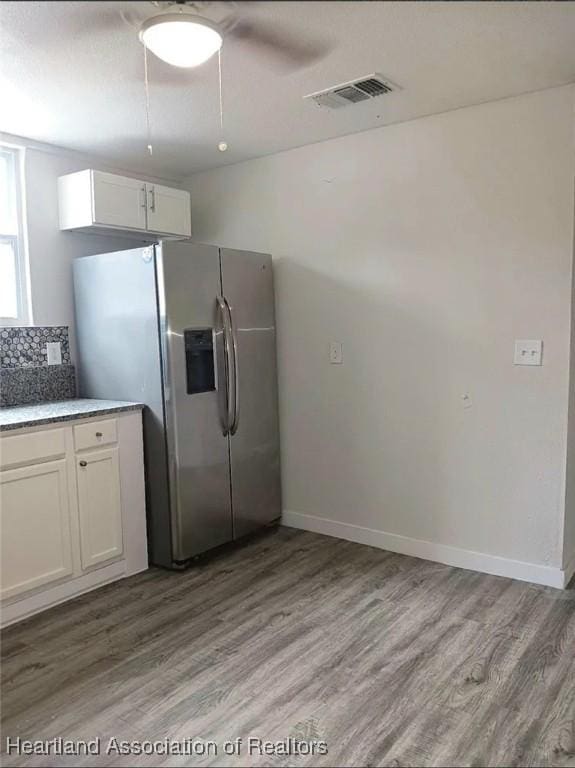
(54, 353)
(335, 353)
(528, 352)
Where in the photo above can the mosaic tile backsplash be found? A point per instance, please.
(25, 376)
(21, 347)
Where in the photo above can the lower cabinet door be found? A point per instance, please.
(99, 502)
(36, 546)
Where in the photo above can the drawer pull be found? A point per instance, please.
(96, 434)
(83, 463)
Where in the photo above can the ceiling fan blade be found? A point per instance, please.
(95, 21)
(286, 50)
(109, 17)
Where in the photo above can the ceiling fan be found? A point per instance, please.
(183, 36)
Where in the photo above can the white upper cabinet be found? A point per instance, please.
(98, 201)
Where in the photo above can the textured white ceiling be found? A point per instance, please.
(71, 74)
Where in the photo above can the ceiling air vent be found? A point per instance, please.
(363, 89)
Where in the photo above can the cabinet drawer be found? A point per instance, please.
(94, 434)
(28, 449)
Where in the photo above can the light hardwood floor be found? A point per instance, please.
(393, 661)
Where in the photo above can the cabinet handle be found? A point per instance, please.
(152, 193)
(99, 434)
(83, 463)
(143, 204)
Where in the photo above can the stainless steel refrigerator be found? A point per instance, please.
(189, 330)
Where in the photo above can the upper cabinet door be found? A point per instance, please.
(169, 210)
(118, 201)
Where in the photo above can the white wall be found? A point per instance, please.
(426, 248)
(51, 251)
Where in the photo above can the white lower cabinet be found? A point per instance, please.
(99, 506)
(36, 537)
(72, 510)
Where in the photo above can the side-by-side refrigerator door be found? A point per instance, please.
(247, 283)
(194, 380)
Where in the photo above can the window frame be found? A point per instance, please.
(18, 240)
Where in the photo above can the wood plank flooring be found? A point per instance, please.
(391, 660)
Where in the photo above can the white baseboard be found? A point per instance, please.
(427, 550)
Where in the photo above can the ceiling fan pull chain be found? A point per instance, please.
(147, 90)
(222, 146)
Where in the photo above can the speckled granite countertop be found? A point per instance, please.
(60, 410)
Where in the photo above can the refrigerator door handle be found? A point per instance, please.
(229, 363)
(236, 383)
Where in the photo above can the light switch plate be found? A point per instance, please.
(528, 352)
(335, 353)
(54, 353)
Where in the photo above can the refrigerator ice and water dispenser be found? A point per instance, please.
(200, 375)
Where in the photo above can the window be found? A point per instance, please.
(13, 272)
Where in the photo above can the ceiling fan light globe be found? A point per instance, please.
(180, 40)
